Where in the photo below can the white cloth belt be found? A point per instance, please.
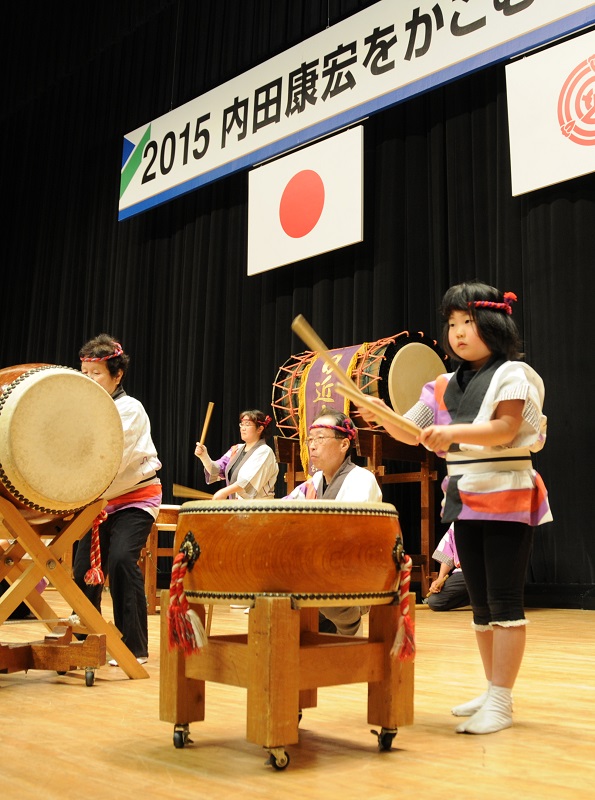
(489, 465)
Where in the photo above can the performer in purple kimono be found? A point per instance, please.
(250, 468)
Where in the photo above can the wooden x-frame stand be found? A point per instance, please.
(46, 548)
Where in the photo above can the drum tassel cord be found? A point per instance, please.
(404, 644)
(94, 576)
(185, 628)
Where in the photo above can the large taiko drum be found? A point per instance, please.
(295, 547)
(61, 439)
(394, 369)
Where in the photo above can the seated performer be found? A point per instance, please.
(449, 590)
(249, 469)
(330, 440)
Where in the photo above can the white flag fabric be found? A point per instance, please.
(551, 114)
(306, 203)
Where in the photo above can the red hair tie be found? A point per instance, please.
(506, 306)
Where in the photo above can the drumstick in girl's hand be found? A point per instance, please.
(205, 426)
(348, 388)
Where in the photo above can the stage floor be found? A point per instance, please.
(63, 739)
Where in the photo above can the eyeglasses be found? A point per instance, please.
(318, 439)
(247, 424)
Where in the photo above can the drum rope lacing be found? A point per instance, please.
(4, 396)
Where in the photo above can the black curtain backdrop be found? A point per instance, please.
(171, 283)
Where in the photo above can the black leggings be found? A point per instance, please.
(494, 558)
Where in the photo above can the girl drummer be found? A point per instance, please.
(133, 498)
(486, 419)
(249, 468)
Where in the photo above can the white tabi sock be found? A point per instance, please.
(494, 715)
(469, 708)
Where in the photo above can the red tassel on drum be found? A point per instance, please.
(404, 645)
(185, 628)
(94, 576)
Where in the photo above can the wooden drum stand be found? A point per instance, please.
(46, 545)
(285, 560)
(61, 445)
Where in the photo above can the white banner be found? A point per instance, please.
(551, 114)
(376, 58)
(306, 203)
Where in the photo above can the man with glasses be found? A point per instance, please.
(336, 477)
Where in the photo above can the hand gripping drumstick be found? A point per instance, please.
(205, 426)
(441, 583)
(348, 388)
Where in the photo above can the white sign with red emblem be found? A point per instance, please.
(551, 114)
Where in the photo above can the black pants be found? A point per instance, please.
(494, 558)
(121, 538)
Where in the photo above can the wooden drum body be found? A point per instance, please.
(61, 439)
(312, 547)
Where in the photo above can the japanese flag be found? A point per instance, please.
(306, 203)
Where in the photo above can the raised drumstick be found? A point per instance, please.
(348, 388)
(205, 426)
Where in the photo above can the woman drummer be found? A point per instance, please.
(249, 468)
(133, 497)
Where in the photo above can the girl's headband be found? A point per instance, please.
(506, 306)
(347, 429)
(117, 352)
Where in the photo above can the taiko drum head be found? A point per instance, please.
(61, 438)
(411, 368)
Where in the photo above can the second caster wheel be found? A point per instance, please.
(385, 738)
(278, 758)
(181, 736)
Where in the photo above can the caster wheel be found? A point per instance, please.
(278, 760)
(181, 736)
(89, 677)
(179, 741)
(385, 738)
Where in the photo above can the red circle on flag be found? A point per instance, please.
(301, 203)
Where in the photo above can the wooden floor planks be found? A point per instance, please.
(63, 739)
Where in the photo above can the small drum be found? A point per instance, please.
(394, 369)
(312, 546)
(61, 439)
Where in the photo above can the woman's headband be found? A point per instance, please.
(347, 429)
(117, 352)
(506, 306)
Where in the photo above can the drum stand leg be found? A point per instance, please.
(47, 563)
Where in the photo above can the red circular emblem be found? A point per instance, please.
(576, 104)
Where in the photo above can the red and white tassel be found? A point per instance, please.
(94, 576)
(185, 628)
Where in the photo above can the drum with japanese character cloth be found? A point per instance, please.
(394, 369)
(61, 440)
(306, 547)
